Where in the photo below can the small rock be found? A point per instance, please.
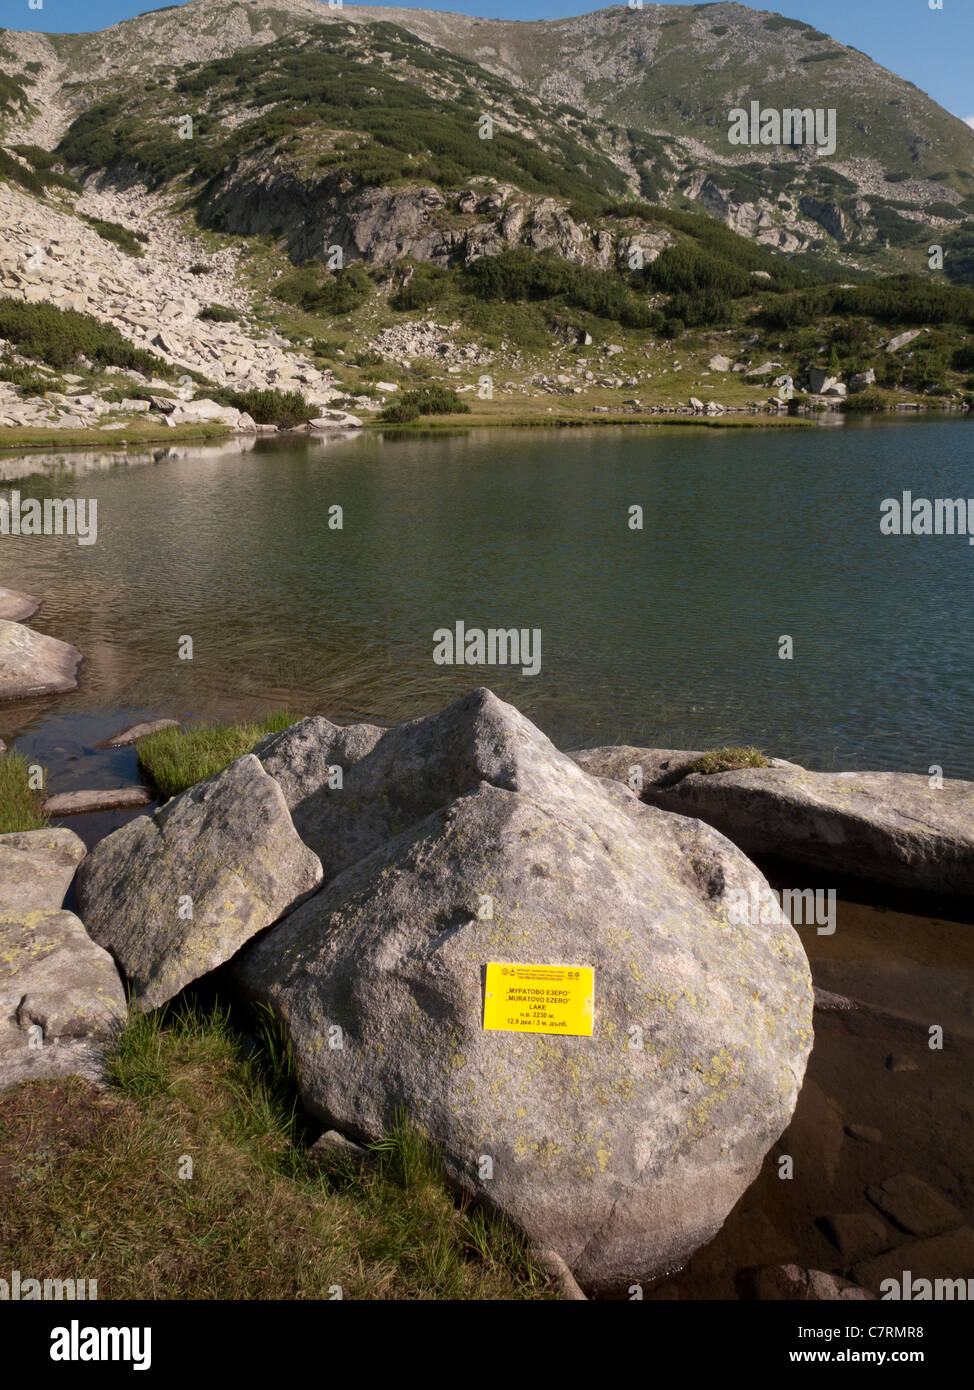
(32, 664)
(914, 1205)
(109, 799)
(857, 1234)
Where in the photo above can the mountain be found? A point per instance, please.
(540, 183)
(636, 99)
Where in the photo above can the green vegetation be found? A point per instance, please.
(38, 178)
(30, 381)
(175, 759)
(727, 760)
(258, 1219)
(428, 400)
(19, 809)
(219, 313)
(319, 291)
(130, 242)
(266, 406)
(60, 337)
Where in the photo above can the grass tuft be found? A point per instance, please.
(175, 759)
(19, 809)
(728, 760)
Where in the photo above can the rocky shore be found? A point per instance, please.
(359, 880)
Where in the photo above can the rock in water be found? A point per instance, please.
(61, 1001)
(17, 607)
(174, 895)
(32, 664)
(885, 827)
(467, 838)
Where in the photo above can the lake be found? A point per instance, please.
(666, 636)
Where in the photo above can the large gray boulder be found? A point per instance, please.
(174, 895)
(889, 828)
(468, 838)
(36, 868)
(32, 664)
(61, 1001)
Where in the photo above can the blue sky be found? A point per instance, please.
(933, 48)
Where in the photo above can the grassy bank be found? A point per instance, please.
(91, 1185)
(19, 806)
(175, 759)
(39, 438)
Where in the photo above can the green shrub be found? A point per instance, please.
(400, 413)
(867, 402)
(199, 269)
(129, 241)
(268, 407)
(60, 336)
(219, 313)
(369, 359)
(323, 292)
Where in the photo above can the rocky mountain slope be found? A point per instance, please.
(357, 166)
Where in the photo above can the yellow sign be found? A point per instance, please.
(539, 999)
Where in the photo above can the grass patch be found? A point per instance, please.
(727, 760)
(130, 242)
(91, 1188)
(19, 809)
(176, 759)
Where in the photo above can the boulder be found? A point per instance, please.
(32, 664)
(336, 420)
(36, 868)
(61, 1001)
(174, 895)
(861, 381)
(902, 339)
(16, 607)
(720, 363)
(888, 828)
(467, 838)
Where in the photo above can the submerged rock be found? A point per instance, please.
(174, 895)
(16, 607)
(467, 838)
(137, 731)
(32, 664)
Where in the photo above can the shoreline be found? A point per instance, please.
(41, 440)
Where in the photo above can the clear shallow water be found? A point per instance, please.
(667, 637)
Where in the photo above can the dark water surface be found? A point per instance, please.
(667, 637)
